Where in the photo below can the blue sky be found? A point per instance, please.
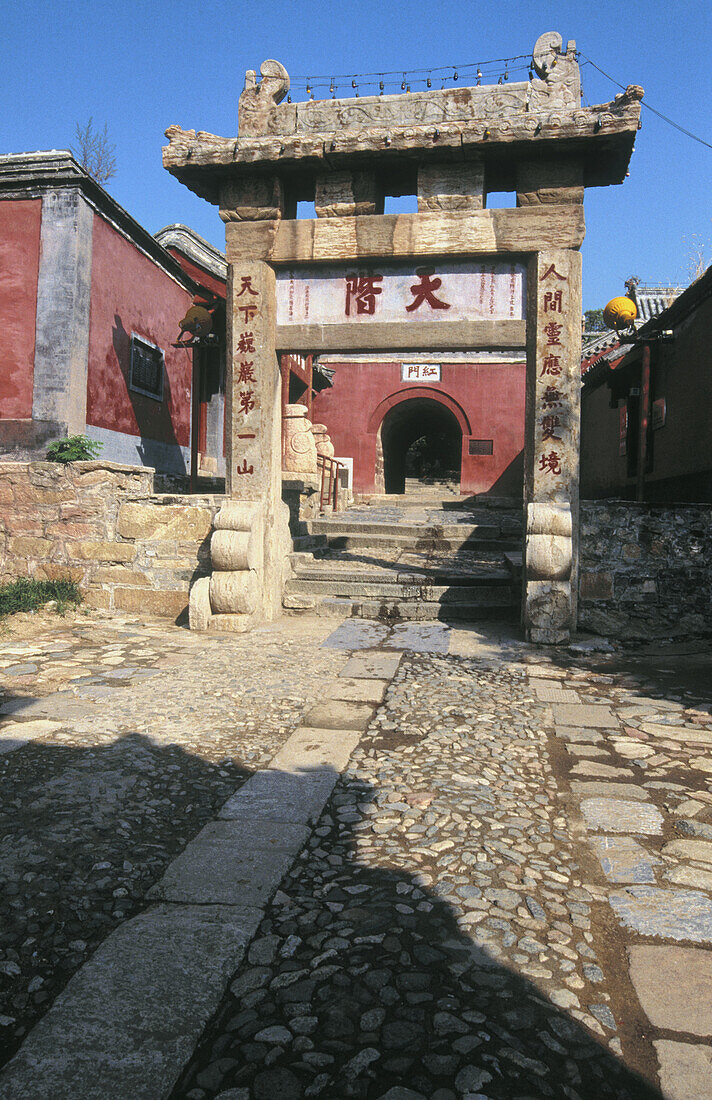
(140, 66)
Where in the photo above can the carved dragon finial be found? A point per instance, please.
(258, 101)
(548, 55)
(274, 84)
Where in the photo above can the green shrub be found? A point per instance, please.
(75, 448)
(27, 595)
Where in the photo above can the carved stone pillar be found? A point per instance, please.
(451, 186)
(555, 181)
(347, 194)
(551, 454)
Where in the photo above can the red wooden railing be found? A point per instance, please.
(329, 469)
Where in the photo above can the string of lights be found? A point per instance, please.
(405, 80)
(472, 72)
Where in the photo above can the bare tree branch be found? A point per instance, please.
(94, 151)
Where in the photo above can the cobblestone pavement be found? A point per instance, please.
(119, 740)
(448, 931)
(509, 893)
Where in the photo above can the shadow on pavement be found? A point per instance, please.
(361, 981)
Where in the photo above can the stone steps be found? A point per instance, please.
(410, 560)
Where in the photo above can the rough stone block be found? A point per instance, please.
(596, 586)
(120, 575)
(199, 610)
(102, 551)
(151, 602)
(56, 571)
(130, 1018)
(164, 521)
(673, 986)
(27, 546)
(685, 1069)
(99, 598)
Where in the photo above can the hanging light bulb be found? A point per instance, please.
(309, 91)
(353, 83)
(454, 75)
(407, 87)
(289, 99)
(531, 75)
(403, 83)
(331, 89)
(499, 81)
(429, 82)
(479, 76)
(380, 85)
(506, 73)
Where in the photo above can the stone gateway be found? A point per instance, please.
(455, 277)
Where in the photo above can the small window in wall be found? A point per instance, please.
(146, 368)
(481, 446)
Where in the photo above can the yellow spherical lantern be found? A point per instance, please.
(620, 312)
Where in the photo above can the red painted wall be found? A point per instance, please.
(491, 395)
(131, 294)
(20, 224)
(199, 274)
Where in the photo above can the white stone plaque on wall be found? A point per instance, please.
(434, 292)
(420, 372)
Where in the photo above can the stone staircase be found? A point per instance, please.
(413, 557)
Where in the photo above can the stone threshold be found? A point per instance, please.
(129, 1020)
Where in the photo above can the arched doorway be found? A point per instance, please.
(420, 438)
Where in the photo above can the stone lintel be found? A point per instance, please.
(411, 335)
(404, 236)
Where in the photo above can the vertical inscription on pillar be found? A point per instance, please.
(251, 382)
(552, 443)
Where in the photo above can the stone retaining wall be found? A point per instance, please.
(645, 569)
(101, 525)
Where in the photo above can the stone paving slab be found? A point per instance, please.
(355, 634)
(376, 665)
(685, 1070)
(216, 872)
(697, 850)
(337, 714)
(674, 986)
(280, 796)
(573, 733)
(598, 789)
(624, 860)
(316, 748)
(584, 714)
(420, 637)
(621, 816)
(369, 691)
(131, 1016)
(671, 914)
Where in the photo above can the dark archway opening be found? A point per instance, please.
(420, 439)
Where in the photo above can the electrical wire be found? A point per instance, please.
(665, 118)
